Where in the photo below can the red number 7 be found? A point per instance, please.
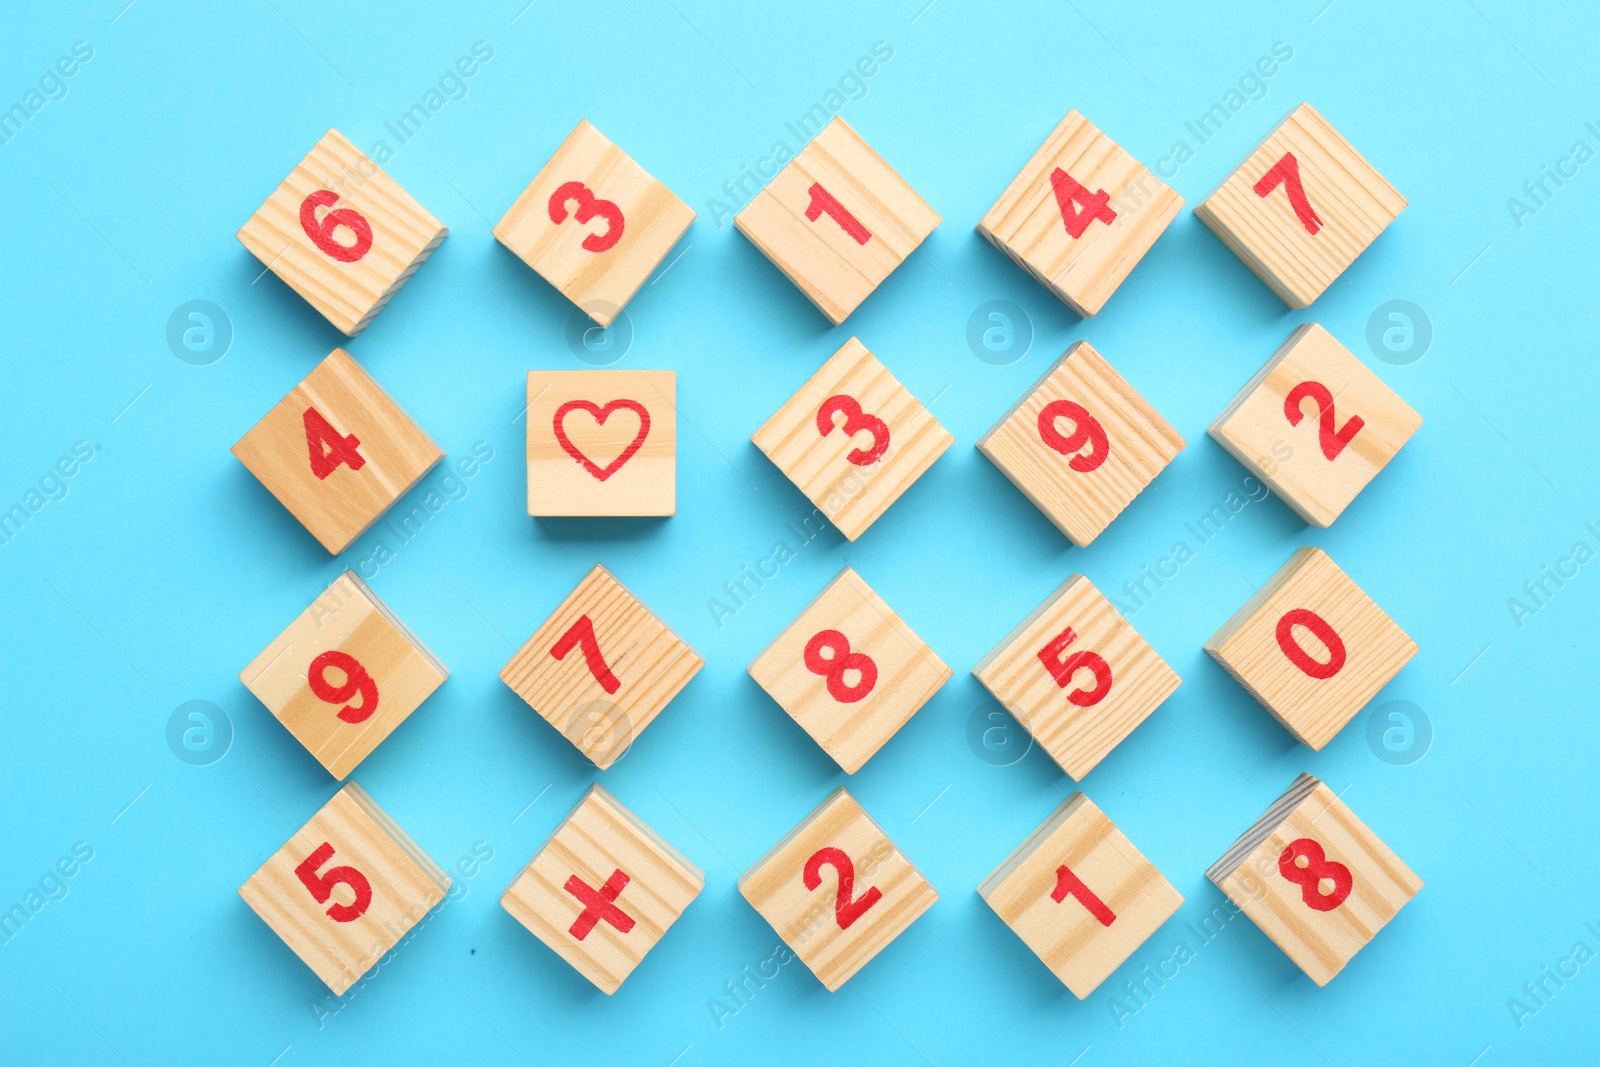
(581, 635)
(1286, 172)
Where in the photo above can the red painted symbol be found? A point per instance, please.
(598, 905)
(1069, 884)
(322, 232)
(1322, 631)
(1310, 875)
(839, 660)
(846, 908)
(320, 886)
(1086, 430)
(327, 448)
(1331, 438)
(1286, 172)
(1062, 668)
(588, 207)
(581, 635)
(823, 201)
(356, 680)
(855, 421)
(1079, 206)
(601, 414)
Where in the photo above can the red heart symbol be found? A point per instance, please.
(600, 415)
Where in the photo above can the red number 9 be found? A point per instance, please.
(1086, 430)
(855, 421)
(588, 208)
(321, 232)
(356, 680)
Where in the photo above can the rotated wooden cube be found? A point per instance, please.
(837, 220)
(594, 224)
(1315, 424)
(342, 233)
(852, 439)
(1080, 895)
(602, 442)
(1301, 207)
(344, 675)
(1315, 879)
(1077, 676)
(1080, 215)
(345, 888)
(849, 671)
(337, 451)
(1311, 647)
(837, 890)
(1081, 444)
(601, 668)
(603, 890)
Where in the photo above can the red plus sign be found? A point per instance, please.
(597, 904)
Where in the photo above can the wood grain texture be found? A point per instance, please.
(405, 885)
(1320, 942)
(1313, 709)
(826, 263)
(601, 283)
(404, 234)
(1082, 503)
(852, 496)
(1352, 201)
(1077, 947)
(1077, 738)
(908, 672)
(805, 919)
(598, 838)
(349, 618)
(651, 664)
(613, 482)
(1026, 222)
(1256, 431)
(339, 508)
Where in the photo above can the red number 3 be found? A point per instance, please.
(855, 421)
(356, 680)
(1332, 440)
(1086, 430)
(321, 232)
(1305, 864)
(588, 207)
(846, 908)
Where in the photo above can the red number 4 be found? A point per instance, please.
(329, 448)
(581, 635)
(1286, 172)
(1071, 196)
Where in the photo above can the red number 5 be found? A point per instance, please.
(321, 885)
(581, 634)
(321, 232)
(1062, 668)
(846, 909)
(588, 208)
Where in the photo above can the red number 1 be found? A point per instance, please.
(581, 634)
(1069, 884)
(320, 886)
(822, 200)
(1286, 172)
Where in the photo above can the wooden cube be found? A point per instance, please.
(1080, 895)
(344, 674)
(837, 890)
(1081, 444)
(342, 233)
(1080, 215)
(601, 668)
(852, 439)
(837, 220)
(1315, 879)
(849, 671)
(602, 442)
(1315, 424)
(337, 451)
(594, 223)
(1301, 207)
(345, 888)
(1311, 647)
(603, 890)
(1077, 676)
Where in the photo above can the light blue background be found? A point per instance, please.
(166, 567)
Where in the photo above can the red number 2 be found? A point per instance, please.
(1069, 884)
(329, 448)
(581, 634)
(1323, 632)
(588, 207)
(321, 885)
(321, 231)
(834, 666)
(1070, 196)
(1286, 172)
(822, 200)
(356, 680)
(1305, 864)
(1062, 668)
(846, 909)
(855, 421)
(1086, 430)
(1332, 440)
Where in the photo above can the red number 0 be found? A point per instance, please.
(321, 885)
(581, 634)
(1305, 864)
(321, 232)
(1286, 172)
(855, 421)
(1332, 440)
(356, 680)
(840, 660)
(846, 910)
(1070, 196)
(588, 208)
(1322, 631)
(327, 447)
(1062, 668)
(1086, 430)
(1069, 884)
(822, 200)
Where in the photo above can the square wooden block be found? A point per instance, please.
(849, 671)
(1301, 207)
(1315, 424)
(344, 674)
(337, 451)
(1081, 444)
(602, 442)
(1311, 647)
(1077, 676)
(594, 224)
(601, 668)
(1315, 879)
(1080, 895)
(837, 220)
(342, 233)
(345, 888)
(852, 439)
(837, 890)
(1080, 215)
(603, 890)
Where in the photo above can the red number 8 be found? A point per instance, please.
(321, 232)
(1086, 430)
(588, 208)
(1310, 874)
(832, 667)
(855, 421)
(356, 680)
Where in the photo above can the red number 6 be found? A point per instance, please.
(321, 232)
